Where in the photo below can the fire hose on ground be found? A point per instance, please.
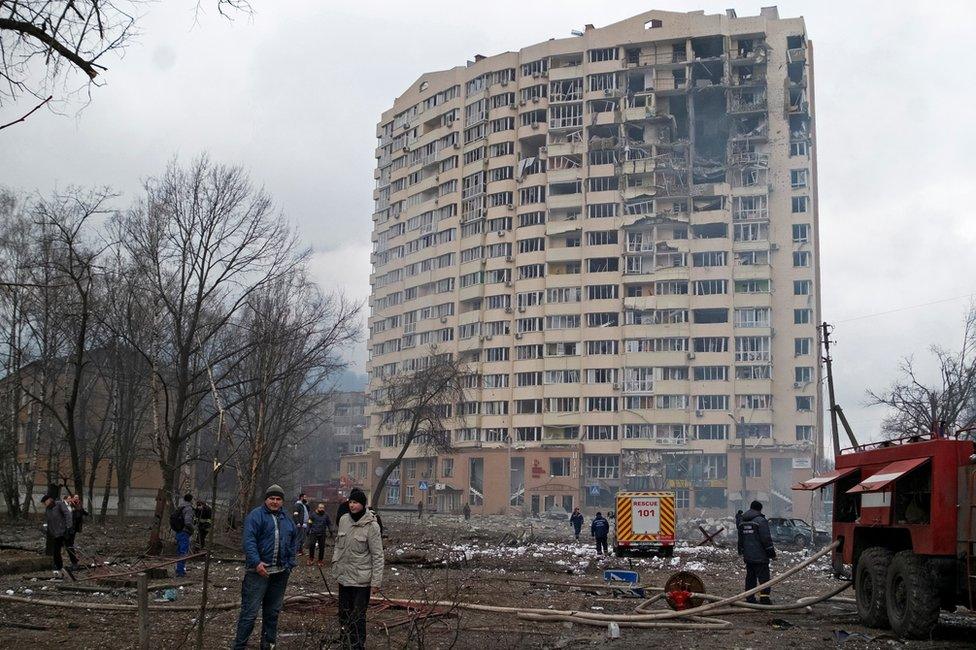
(692, 618)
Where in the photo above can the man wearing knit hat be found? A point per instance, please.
(357, 563)
(269, 550)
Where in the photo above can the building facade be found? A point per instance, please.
(336, 430)
(617, 232)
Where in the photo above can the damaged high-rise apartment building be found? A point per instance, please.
(617, 231)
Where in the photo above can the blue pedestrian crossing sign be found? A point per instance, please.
(423, 486)
(594, 491)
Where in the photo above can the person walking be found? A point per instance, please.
(357, 563)
(78, 514)
(181, 522)
(204, 520)
(318, 528)
(420, 509)
(300, 516)
(59, 525)
(756, 549)
(269, 555)
(577, 520)
(466, 511)
(600, 529)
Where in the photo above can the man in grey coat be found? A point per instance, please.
(60, 526)
(357, 563)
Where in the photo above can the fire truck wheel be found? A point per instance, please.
(869, 584)
(668, 551)
(912, 597)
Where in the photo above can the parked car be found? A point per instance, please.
(796, 531)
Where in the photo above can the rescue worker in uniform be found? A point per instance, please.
(756, 549)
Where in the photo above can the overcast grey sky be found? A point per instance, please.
(294, 94)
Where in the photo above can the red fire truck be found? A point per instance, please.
(905, 517)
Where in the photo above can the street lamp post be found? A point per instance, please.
(741, 433)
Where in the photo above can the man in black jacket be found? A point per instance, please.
(600, 529)
(756, 549)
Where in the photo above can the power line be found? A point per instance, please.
(893, 311)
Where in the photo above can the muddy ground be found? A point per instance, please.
(487, 560)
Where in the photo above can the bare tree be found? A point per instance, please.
(205, 241)
(298, 336)
(417, 408)
(67, 216)
(47, 306)
(15, 244)
(127, 320)
(917, 406)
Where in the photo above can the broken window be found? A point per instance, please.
(559, 466)
(534, 93)
(606, 81)
(533, 117)
(754, 372)
(748, 208)
(799, 204)
(503, 99)
(758, 231)
(680, 78)
(752, 467)
(565, 116)
(604, 54)
(752, 348)
(710, 287)
(710, 231)
(802, 287)
(804, 432)
(714, 315)
(567, 90)
(476, 488)
(532, 219)
(535, 68)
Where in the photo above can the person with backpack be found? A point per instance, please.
(204, 520)
(576, 519)
(269, 556)
(181, 523)
(600, 529)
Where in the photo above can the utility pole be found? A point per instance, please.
(741, 430)
(835, 436)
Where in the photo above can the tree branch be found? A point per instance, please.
(29, 29)
(28, 114)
